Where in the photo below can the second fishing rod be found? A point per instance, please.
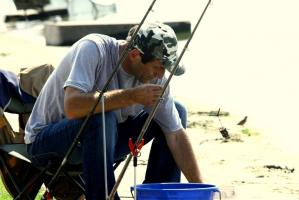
(155, 107)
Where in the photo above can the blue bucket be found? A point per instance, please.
(175, 191)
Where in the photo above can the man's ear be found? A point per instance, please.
(134, 54)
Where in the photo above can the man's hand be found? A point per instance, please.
(146, 94)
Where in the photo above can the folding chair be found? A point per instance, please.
(23, 180)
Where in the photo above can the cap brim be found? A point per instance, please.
(180, 70)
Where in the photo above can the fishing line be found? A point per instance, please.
(222, 129)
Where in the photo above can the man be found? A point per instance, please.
(73, 88)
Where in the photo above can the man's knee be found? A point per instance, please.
(97, 119)
(95, 124)
(182, 113)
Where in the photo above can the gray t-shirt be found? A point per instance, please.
(87, 66)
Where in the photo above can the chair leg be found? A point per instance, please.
(76, 182)
(31, 183)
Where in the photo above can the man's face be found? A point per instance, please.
(150, 70)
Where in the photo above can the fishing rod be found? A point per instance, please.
(101, 95)
(154, 110)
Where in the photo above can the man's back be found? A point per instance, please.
(78, 70)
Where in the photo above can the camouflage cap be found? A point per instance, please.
(159, 41)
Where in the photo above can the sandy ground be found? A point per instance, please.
(245, 167)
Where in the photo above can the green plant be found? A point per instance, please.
(4, 195)
(248, 132)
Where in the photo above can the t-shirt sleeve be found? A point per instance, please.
(84, 66)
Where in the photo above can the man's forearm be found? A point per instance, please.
(78, 104)
(184, 156)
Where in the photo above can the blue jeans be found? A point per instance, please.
(53, 142)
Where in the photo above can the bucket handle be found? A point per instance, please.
(218, 191)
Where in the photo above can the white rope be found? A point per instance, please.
(135, 175)
(104, 146)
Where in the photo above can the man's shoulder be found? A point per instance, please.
(102, 42)
(98, 38)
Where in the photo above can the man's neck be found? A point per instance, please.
(122, 47)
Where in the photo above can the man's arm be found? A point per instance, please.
(78, 104)
(181, 148)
